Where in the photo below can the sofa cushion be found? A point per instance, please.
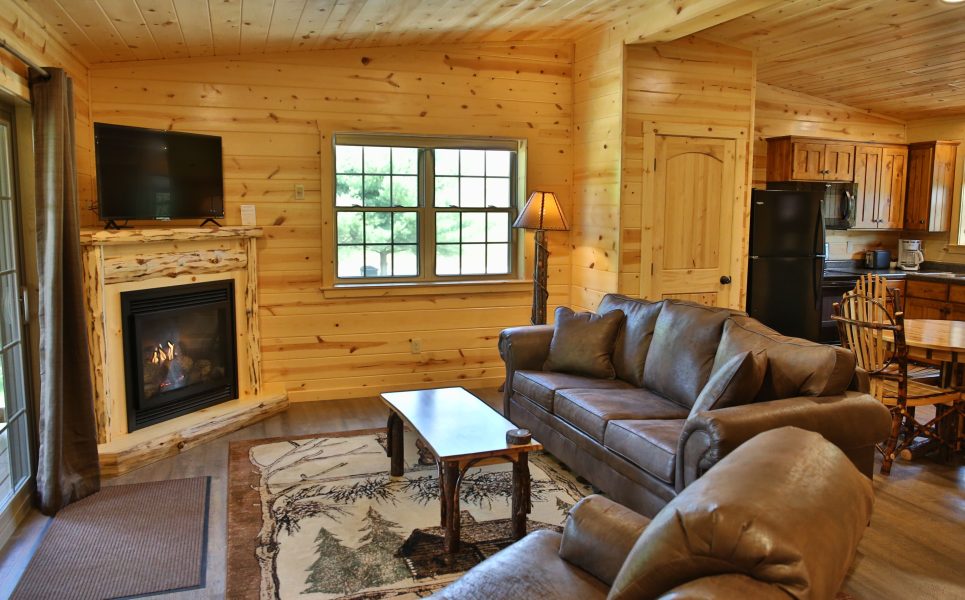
(735, 382)
(583, 342)
(682, 353)
(634, 338)
(541, 386)
(651, 445)
(591, 410)
(795, 367)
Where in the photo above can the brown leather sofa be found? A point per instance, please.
(764, 523)
(636, 438)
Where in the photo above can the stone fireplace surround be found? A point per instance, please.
(139, 259)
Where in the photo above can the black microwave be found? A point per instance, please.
(839, 205)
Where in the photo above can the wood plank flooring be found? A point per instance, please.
(914, 548)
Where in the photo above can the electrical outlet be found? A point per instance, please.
(415, 345)
(299, 191)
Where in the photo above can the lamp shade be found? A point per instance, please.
(542, 212)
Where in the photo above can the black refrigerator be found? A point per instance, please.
(786, 261)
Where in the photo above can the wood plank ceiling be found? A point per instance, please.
(904, 58)
(123, 30)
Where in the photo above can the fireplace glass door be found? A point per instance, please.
(180, 351)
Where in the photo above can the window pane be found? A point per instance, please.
(497, 163)
(348, 190)
(5, 167)
(447, 191)
(350, 261)
(378, 228)
(472, 162)
(348, 159)
(11, 381)
(349, 228)
(471, 192)
(497, 227)
(9, 331)
(377, 191)
(405, 161)
(378, 261)
(6, 485)
(405, 191)
(405, 228)
(405, 261)
(497, 259)
(497, 191)
(447, 227)
(447, 162)
(473, 227)
(378, 159)
(473, 259)
(6, 241)
(447, 259)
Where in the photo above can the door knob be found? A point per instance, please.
(725, 279)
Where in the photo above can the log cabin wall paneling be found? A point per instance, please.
(779, 111)
(691, 80)
(598, 127)
(276, 115)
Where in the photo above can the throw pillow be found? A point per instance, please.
(736, 382)
(583, 343)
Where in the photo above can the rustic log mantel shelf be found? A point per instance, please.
(136, 259)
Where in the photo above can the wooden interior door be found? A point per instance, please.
(807, 161)
(695, 192)
(867, 174)
(891, 194)
(839, 162)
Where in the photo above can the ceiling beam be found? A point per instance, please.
(668, 20)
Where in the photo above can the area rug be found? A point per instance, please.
(319, 518)
(125, 540)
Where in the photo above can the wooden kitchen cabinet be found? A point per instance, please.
(921, 308)
(880, 174)
(791, 158)
(931, 181)
(934, 300)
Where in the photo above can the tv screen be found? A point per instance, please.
(154, 174)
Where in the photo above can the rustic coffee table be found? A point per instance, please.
(462, 431)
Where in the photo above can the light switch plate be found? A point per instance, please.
(299, 191)
(248, 215)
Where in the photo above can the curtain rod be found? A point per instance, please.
(40, 70)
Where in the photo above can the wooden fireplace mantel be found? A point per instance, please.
(137, 259)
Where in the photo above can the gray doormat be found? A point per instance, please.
(126, 540)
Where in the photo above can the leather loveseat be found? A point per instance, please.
(637, 437)
(764, 523)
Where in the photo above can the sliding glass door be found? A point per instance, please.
(14, 455)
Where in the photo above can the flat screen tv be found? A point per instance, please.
(154, 174)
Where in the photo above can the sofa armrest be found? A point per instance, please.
(849, 420)
(599, 535)
(523, 348)
(861, 382)
(725, 587)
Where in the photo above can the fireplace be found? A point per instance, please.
(180, 352)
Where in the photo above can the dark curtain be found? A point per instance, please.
(67, 466)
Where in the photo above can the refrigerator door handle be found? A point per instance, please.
(817, 272)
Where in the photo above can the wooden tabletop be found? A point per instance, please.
(455, 424)
(933, 334)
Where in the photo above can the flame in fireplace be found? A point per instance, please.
(163, 353)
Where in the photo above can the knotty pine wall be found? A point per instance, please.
(785, 112)
(598, 126)
(691, 80)
(276, 115)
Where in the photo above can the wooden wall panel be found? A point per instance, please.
(598, 127)
(276, 115)
(23, 29)
(691, 80)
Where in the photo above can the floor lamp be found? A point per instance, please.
(542, 213)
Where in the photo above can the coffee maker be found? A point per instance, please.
(910, 255)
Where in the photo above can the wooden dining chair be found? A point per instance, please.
(876, 335)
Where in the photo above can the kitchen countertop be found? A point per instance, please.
(930, 271)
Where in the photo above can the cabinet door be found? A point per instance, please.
(867, 174)
(839, 162)
(807, 161)
(956, 312)
(891, 188)
(919, 188)
(919, 308)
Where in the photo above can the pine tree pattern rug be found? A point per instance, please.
(321, 518)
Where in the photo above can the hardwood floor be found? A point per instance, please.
(914, 548)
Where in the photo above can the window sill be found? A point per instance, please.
(426, 288)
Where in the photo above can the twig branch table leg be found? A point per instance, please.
(394, 444)
(450, 499)
(521, 497)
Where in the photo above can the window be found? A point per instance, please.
(424, 209)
